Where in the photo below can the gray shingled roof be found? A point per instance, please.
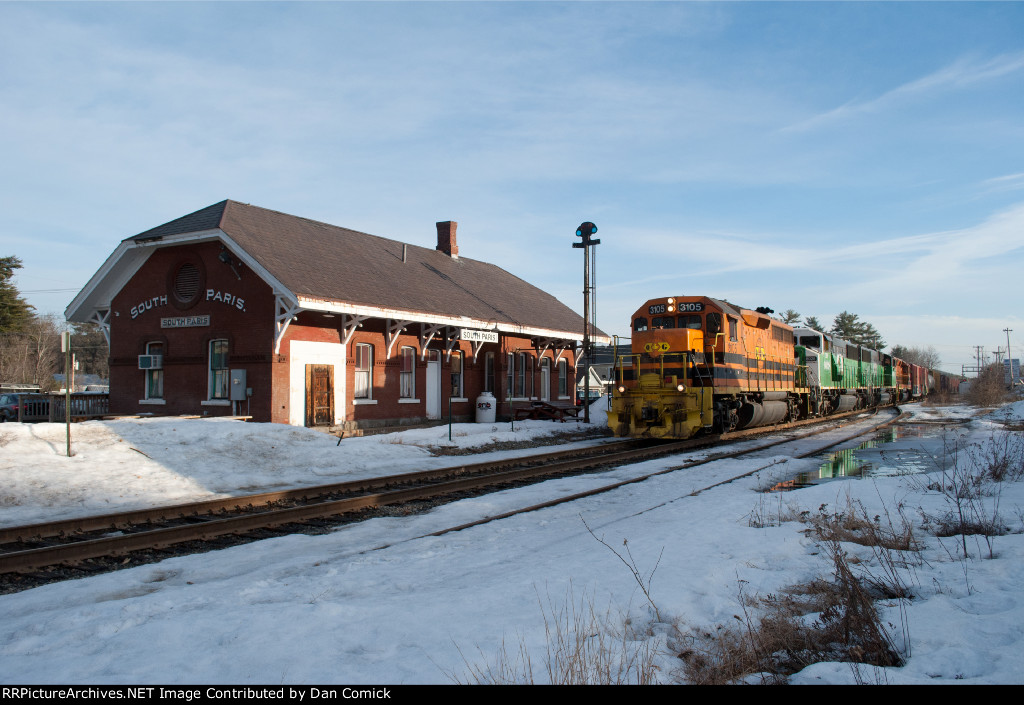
(337, 264)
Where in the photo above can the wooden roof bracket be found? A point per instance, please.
(101, 317)
(349, 323)
(394, 328)
(476, 349)
(427, 333)
(450, 341)
(285, 312)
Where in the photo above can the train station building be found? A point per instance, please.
(240, 310)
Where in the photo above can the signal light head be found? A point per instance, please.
(586, 229)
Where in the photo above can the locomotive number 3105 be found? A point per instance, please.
(682, 307)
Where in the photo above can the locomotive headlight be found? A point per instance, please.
(622, 390)
(679, 387)
(671, 300)
(671, 308)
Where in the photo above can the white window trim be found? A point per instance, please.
(148, 399)
(412, 373)
(368, 399)
(215, 401)
(462, 374)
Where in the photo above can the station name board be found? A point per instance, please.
(185, 322)
(478, 336)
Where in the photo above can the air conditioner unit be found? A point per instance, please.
(151, 362)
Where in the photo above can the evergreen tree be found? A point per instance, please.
(14, 310)
(848, 327)
(790, 316)
(814, 324)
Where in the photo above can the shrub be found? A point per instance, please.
(989, 388)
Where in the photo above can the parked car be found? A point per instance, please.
(33, 407)
(8, 407)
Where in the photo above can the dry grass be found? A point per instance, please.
(970, 480)
(832, 619)
(585, 646)
(778, 635)
(853, 524)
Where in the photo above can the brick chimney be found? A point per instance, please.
(446, 238)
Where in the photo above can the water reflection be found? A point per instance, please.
(883, 455)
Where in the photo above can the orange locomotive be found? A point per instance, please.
(701, 364)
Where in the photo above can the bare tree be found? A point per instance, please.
(926, 357)
(31, 355)
(91, 349)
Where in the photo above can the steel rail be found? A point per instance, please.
(684, 466)
(263, 501)
(209, 528)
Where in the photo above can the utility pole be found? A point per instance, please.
(1008, 356)
(585, 230)
(65, 347)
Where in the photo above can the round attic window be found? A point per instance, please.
(187, 284)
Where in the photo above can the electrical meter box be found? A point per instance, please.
(238, 385)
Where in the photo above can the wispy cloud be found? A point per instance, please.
(961, 74)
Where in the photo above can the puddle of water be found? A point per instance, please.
(903, 449)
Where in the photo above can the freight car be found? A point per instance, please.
(699, 365)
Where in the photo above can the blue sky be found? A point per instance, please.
(866, 157)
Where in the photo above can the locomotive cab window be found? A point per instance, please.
(640, 324)
(662, 322)
(714, 323)
(733, 332)
(810, 341)
(691, 321)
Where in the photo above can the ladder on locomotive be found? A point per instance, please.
(702, 372)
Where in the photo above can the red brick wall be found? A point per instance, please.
(241, 310)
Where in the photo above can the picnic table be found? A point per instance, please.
(545, 410)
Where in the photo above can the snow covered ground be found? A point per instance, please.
(382, 602)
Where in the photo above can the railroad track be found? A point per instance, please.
(110, 537)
